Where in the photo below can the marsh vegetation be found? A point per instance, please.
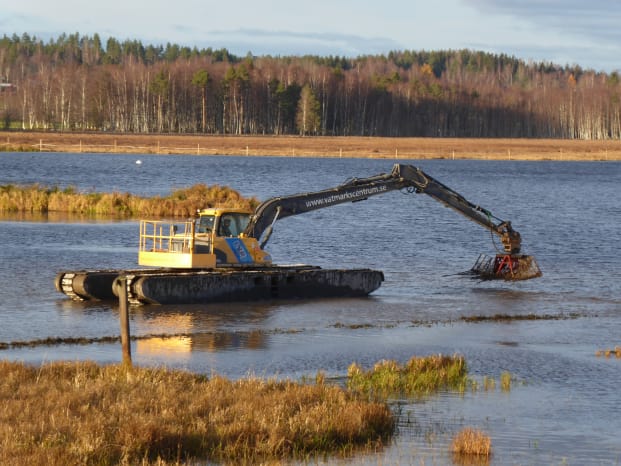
(180, 203)
(83, 413)
(420, 375)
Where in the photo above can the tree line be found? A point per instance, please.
(78, 83)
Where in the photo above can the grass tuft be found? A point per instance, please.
(83, 413)
(420, 375)
(505, 381)
(471, 442)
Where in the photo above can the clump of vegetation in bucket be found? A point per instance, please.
(87, 414)
(418, 376)
(180, 203)
(471, 446)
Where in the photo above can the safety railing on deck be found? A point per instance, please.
(161, 236)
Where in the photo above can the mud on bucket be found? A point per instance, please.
(511, 267)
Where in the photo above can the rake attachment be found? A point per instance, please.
(510, 267)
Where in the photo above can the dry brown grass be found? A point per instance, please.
(83, 413)
(471, 442)
(181, 203)
(324, 146)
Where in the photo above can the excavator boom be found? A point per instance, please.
(402, 177)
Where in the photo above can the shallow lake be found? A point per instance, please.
(564, 405)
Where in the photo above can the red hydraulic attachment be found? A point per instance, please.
(506, 267)
(505, 263)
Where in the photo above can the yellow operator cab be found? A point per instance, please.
(215, 238)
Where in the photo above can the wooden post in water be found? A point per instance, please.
(124, 319)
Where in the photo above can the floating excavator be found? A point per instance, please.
(220, 256)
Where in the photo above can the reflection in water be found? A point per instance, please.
(231, 340)
(164, 347)
(202, 317)
(209, 328)
(57, 217)
(208, 342)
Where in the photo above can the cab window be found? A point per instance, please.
(205, 224)
(233, 224)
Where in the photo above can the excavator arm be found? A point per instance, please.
(423, 183)
(406, 177)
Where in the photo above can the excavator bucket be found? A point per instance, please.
(511, 267)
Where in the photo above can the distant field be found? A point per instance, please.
(297, 146)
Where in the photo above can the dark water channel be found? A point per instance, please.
(564, 403)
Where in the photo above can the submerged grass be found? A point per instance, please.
(519, 317)
(505, 381)
(180, 203)
(84, 413)
(616, 352)
(419, 376)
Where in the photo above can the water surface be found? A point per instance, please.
(563, 407)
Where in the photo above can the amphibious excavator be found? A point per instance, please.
(219, 255)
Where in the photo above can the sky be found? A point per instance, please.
(564, 32)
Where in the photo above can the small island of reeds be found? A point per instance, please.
(180, 203)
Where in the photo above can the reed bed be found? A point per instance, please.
(83, 413)
(180, 203)
(419, 376)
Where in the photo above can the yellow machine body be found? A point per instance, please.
(213, 239)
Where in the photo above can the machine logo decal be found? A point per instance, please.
(239, 249)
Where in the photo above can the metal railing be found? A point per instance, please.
(161, 236)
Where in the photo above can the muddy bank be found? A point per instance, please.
(297, 146)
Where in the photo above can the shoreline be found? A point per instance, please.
(313, 146)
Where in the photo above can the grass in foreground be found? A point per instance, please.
(420, 375)
(83, 413)
(180, 203)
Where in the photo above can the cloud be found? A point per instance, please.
(594, 19)
(559, 31)
(282, 42)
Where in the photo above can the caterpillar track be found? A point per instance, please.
(168, 286)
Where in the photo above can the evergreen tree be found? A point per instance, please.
(308, 118)
(201, 80)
